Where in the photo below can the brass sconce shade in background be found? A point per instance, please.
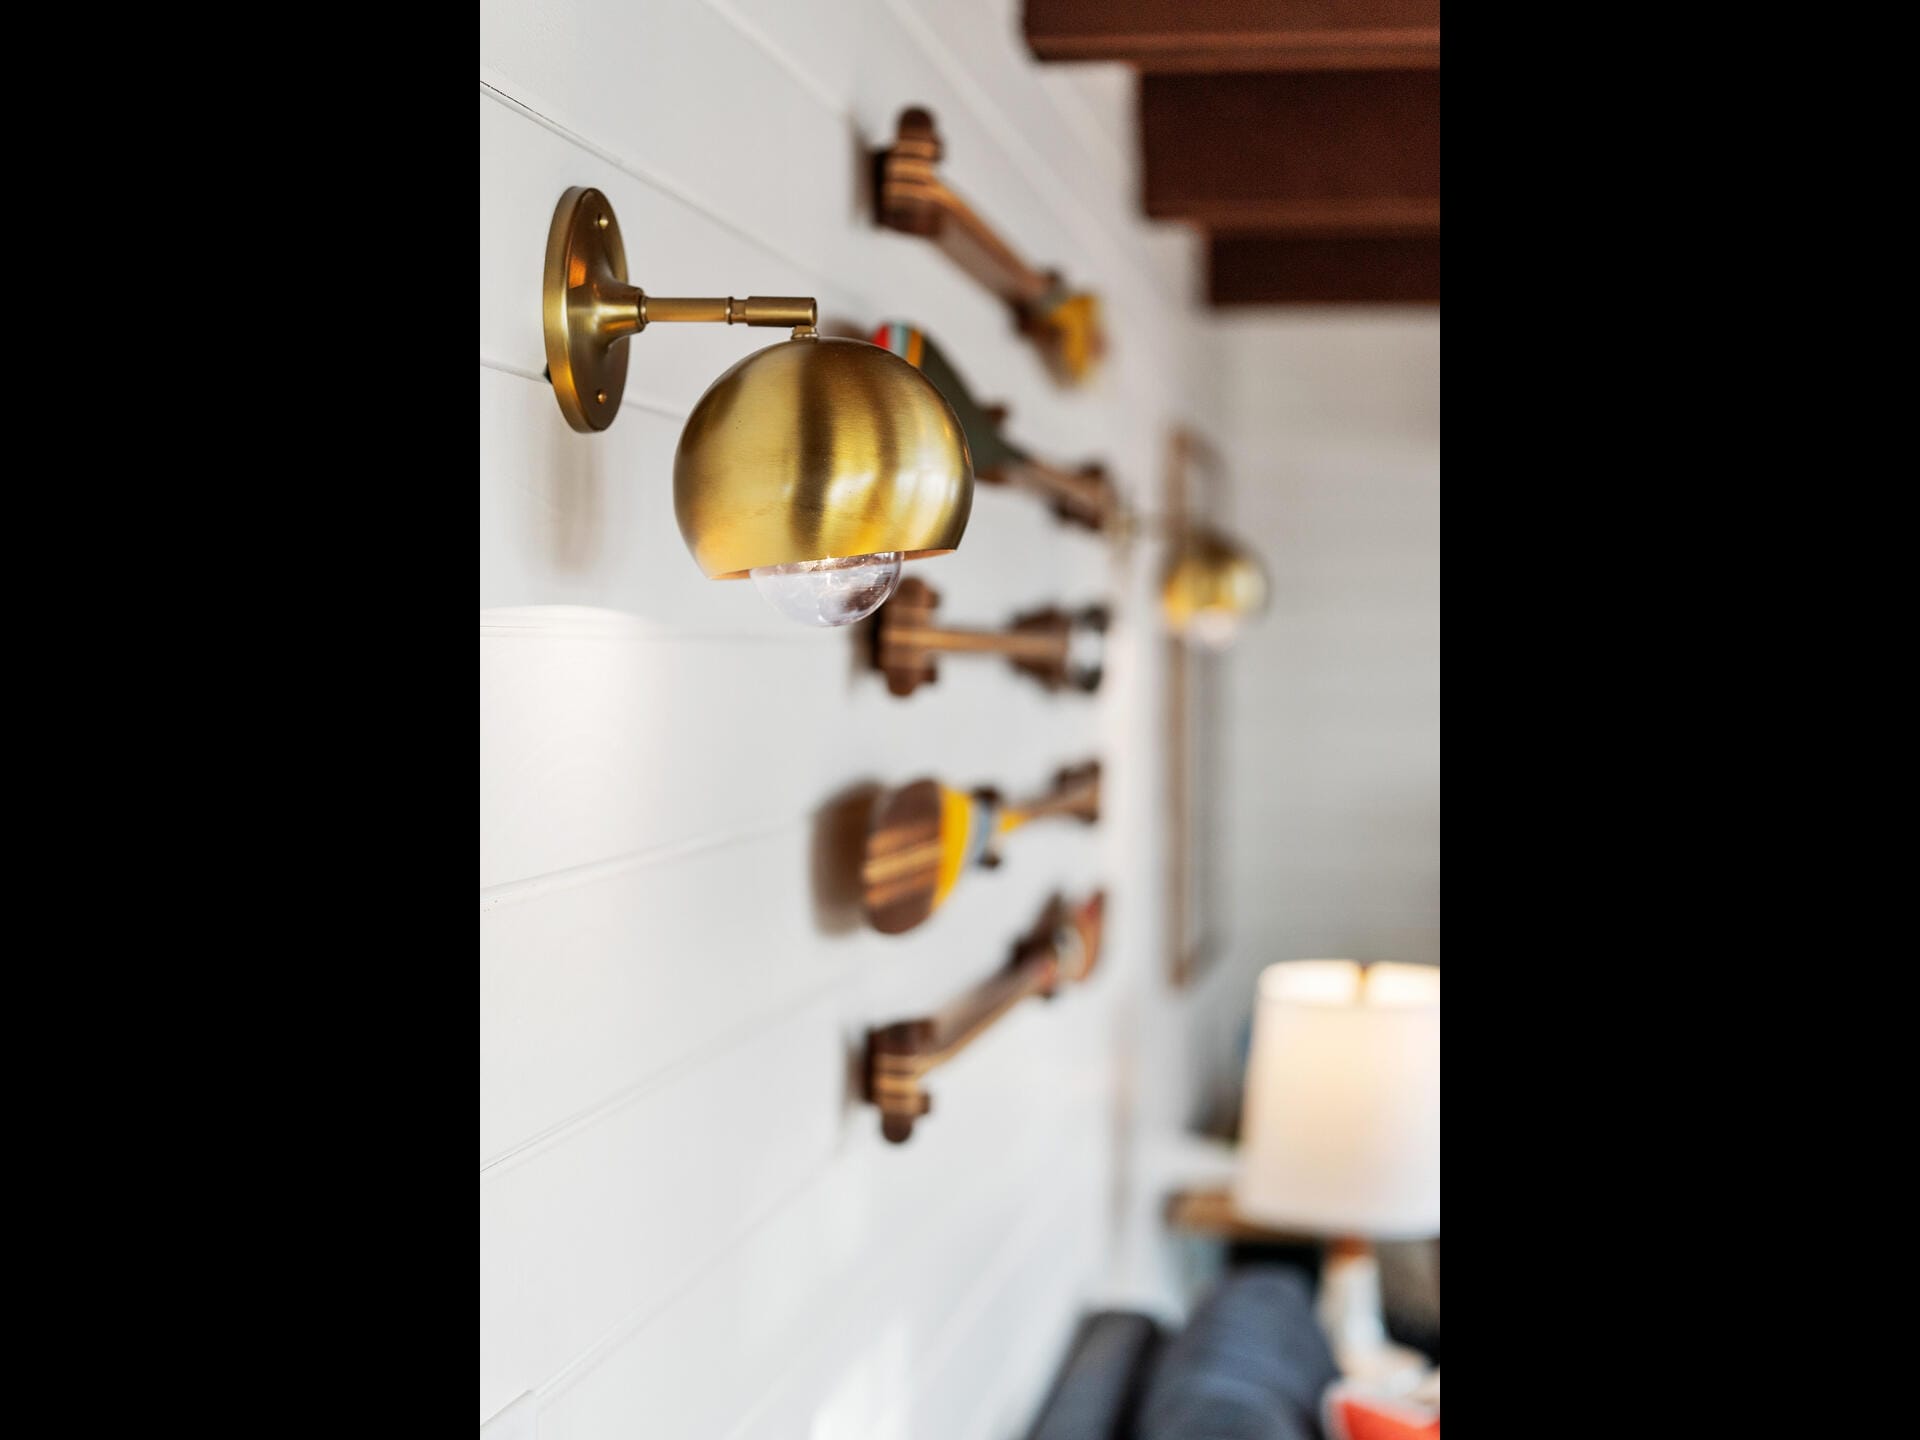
(1212, 587)
(815, 466)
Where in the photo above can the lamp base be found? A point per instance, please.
(1349, 1311)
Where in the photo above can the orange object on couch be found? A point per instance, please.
(1353, 1412)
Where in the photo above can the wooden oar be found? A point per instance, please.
(910, 196)
(925, 835)
(1063, 948)
(1060, 650)
(1085, 495)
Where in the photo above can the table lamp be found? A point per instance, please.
(1341, 1130)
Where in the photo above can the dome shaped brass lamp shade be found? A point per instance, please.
(819, 448)
(1212, 587)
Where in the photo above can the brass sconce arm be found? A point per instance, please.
(1064, 947)
(799, 311)
(1188, 456)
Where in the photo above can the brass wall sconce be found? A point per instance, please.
(1063, 948)
(924, 836)
(1060, 650)
(1085, 496)
(816, 466)
(1212, 587)
(910, 197)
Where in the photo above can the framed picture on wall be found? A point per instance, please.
(1194, 743)
(1194, 904)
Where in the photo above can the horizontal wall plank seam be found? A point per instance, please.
(618, 1333)
(876, 1280)
(937, 1219)
(572, 877)
(732, 1038)
(1006, 1266)
(999, 1272)
(487, 362)
(769, 47)
(629, 397)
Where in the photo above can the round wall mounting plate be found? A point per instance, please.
(586, 273)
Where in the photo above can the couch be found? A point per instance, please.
(1250, 1364)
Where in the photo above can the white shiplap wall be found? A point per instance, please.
(689, 1224)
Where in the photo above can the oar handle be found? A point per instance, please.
(1086, 495)
(1041, 643)
(1076, 794)
(1028, 646)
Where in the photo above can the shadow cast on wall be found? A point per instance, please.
(572, 504)
(839, 847)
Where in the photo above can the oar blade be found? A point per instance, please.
(900, 878)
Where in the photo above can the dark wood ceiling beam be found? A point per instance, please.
(1306, 153)
(1233, 35)
(1290, 270)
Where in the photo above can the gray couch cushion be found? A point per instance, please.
(1251, 1365)
(1099, 1386)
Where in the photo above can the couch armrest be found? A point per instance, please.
(1099, 1387)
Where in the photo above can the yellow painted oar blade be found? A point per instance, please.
(956, 841)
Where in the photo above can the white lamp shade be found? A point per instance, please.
(1341, 1130)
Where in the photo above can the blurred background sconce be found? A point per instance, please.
(816, 466)
(1212, 587)
(1341, 1131)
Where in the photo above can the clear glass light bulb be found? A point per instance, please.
(830, 592)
